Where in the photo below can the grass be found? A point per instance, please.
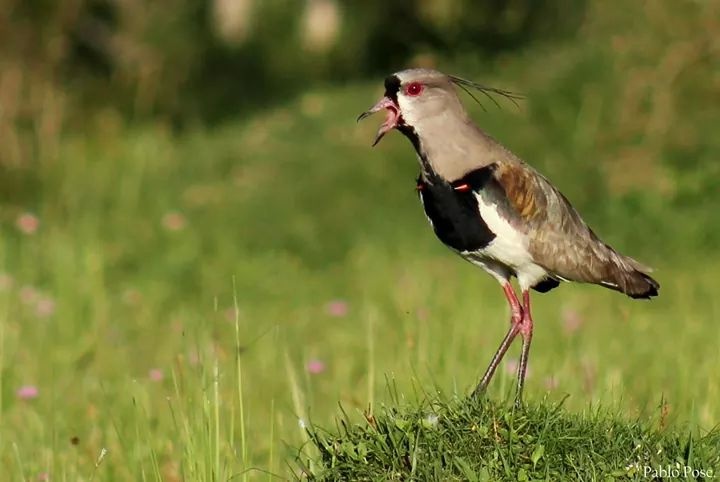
(188, 302)
(462, 439)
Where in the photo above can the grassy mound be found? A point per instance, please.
(463, 439)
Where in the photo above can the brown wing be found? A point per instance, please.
(560, 241)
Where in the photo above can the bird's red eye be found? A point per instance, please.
(414, 89)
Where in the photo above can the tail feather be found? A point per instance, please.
(641, 285)
(632, 278)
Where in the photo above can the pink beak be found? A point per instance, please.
(391, 121)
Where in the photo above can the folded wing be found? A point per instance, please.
(559, 240)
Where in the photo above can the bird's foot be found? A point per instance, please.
(479, 392)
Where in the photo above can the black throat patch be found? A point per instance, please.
(392, 87)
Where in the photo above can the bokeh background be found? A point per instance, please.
(200, 252)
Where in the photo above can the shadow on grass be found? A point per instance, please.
(464, 439)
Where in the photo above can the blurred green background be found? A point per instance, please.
(200, 251)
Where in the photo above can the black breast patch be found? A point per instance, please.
(454, 212)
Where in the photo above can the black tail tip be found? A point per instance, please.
(651, 288)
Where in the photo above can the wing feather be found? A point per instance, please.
(559, 240)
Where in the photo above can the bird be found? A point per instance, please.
(495, 210)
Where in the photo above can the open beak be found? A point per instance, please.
(391, 121)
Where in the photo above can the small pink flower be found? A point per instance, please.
(6, 281)
(132, 297)
(27, 223)
(174, 221)
(571, 320)
(45, 307)
(156, 375)
(43, 477)
(193, 357)
(232, 313)
(338, 308)
(28, 295)
(27, 392)
(315, 366)
(423, 314)
(512, 365)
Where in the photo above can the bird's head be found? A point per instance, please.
(414, 96)
(411, 95)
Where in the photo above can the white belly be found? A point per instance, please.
(507, 254)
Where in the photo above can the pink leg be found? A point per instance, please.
(516, 310)
(516, 320)
(526, 331)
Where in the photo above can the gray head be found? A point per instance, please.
(416, 98)
(414, 94)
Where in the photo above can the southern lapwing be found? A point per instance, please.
(494, 210)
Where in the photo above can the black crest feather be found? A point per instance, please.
(466, 85)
